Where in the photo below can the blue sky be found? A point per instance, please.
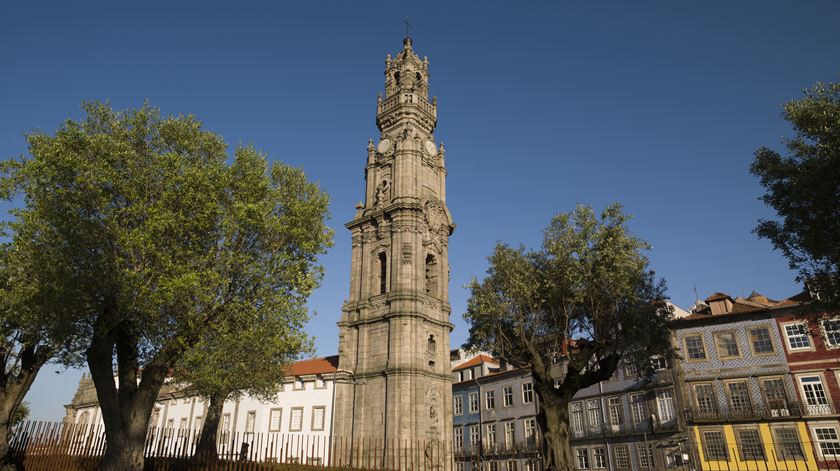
(658, 106)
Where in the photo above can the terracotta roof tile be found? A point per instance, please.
(477, 360)
(314, 366)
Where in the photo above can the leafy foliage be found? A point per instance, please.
(571, 311)
(804, 189)
(169, 247)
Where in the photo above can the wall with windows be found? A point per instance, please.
(766, 446)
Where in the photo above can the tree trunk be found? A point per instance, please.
(206, 448)
(125, 409)
(16, 385)
(554, 422)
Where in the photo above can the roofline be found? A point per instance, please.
(725, 318)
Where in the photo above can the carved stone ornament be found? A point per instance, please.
(436, 217)
(406, 254)
(383, 192)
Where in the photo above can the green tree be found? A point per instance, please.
(251, 355)
(35, 300)
(162, 239)
(572, 311)
(804, 190)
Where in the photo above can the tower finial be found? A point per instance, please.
(407, 32)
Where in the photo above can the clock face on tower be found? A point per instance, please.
(431, 149)
(384, 146)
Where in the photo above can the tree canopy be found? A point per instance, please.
(803, 188)
(167, 245)
(572, 311)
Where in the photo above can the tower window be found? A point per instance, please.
(383, 273)
(431, 275)
(397, 78)
(431, 345)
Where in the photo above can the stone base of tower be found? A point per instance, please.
(395, 417)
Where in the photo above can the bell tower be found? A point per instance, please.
(394, 380)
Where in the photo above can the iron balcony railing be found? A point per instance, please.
(792, 409)
(608, 430)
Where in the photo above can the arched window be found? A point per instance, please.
(431, 275)
(383, 273)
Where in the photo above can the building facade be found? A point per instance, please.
(811, 343)
(301, 413)
(739, 394)
(395, 381)
(494, 417)
(628, 422)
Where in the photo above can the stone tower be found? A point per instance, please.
(394, 375)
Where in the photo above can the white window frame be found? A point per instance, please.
(473, 402)
(602, 462)
(315, 426)
(666, 406)
(582, 458)
(805, 333)
(271, 414)
(490, 437)
(641, 417)
(818, 443)
(489, 400)
(824, 331)
(615, 411)
(527, 393)
(458, 437)
(817, 408)
(250, 421)
(294, 411)
(475, 435)
(458, 405)
(510, 433)
(507, 396)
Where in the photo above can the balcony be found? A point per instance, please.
(763, 412)
(610, 430)
(528, 446)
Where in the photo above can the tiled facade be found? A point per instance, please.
(741, 405)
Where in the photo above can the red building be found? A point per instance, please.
(811, 339)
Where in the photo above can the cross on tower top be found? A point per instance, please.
(407, 26)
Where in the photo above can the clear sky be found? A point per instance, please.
(542, 106)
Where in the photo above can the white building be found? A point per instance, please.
(297, 425)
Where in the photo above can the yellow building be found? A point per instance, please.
(768, 446)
